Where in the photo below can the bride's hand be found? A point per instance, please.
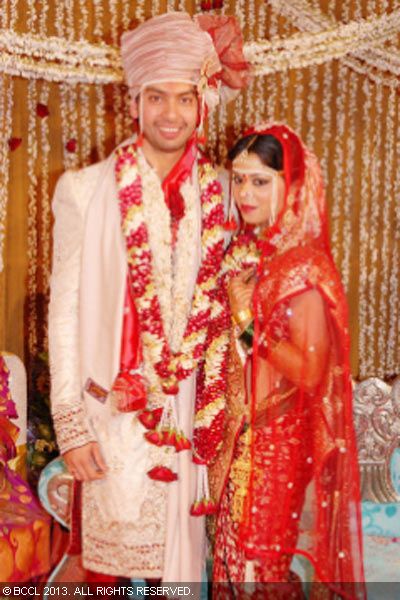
(240, 293)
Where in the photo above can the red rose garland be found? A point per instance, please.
(212, 380)
(169, 367)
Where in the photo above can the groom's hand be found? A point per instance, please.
(86, 463)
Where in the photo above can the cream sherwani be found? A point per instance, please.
(131, 525)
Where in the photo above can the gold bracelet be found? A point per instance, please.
(242, 316)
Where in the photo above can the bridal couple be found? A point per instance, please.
(198, 339)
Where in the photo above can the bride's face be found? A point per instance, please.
(258, 190)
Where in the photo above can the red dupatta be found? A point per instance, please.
(302, 492)
(301, 352)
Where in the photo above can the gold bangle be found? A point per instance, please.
(242, 316)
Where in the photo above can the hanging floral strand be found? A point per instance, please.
(384, 350)
(84, 95)
(6, 111)
(116, 88)
(374, 228)
(365, 332)
(260, 84)
(250, 92)
(100, 122)
(393, 351)
(32, 237)
(349, 107)
(45, 212)
(338, 167)
(349, 182)
(284, 82)
(271, 91)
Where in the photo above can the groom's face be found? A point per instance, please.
(168, 113)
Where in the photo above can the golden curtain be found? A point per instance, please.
(348, 112)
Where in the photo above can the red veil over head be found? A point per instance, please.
(304, 466)
(293, 468)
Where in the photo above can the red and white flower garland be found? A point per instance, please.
(210, 399)
(167, 366)
(170, 367)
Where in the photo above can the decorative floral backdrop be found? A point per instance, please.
(329, 69)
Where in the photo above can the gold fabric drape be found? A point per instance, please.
(348, 112)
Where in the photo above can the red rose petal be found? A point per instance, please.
(169, 437)
(157, 412)
(129, 391)
(13, 143)
(150, 418)
(71, 145)
(147, 419)
(182, 443)
(161, 473)
(210, 507)
(154, 437)
(42, 110)
(195, 509)
(170, 388)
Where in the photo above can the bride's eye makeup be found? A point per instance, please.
(260, 181)
(237, 178)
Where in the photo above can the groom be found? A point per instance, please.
(137, 242)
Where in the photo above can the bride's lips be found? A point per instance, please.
(247, 208)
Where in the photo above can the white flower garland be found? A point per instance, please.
(364, 61)
(170, 367)
(100, 113)
(305, 49)
(363, 345)
(59, 59)
(349, 182)
(384, 349)
(85, 137)
(183, 263)
(350, 90)
(6, 108)
(32, 219)
(374, 228)
(394, 288)
(45, 207)
(260, 83)
(337, 187)
(158, 220)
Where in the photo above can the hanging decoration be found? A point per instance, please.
(59, 59)
(6, 107)
(364, 348)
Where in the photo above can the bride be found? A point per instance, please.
(283, 466)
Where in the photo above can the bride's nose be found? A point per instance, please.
(245, 188)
